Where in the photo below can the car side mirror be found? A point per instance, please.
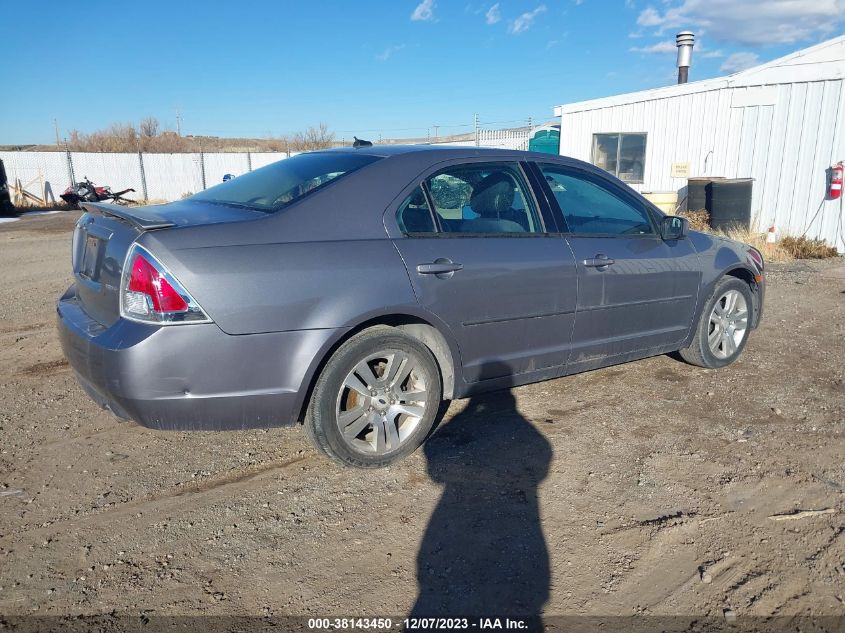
(673, 227)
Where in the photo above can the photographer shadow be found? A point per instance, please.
(483, 553)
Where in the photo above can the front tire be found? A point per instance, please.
(375, 400)
(724, 326)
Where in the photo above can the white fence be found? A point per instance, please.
(152, 176)
(503, 139)
(167, 176)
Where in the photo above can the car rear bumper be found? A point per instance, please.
(189, 377)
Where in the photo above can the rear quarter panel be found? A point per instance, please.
(252, 288)
(324, 262)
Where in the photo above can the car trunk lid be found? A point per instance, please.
(105, 232)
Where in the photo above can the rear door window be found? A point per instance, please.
(488, 198)
(414, 215)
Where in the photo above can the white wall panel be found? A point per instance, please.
(759, 164)
(262, 159)
(832, 221)
(172, 176)
(218, 165)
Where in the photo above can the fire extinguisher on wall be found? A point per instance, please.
(834, 191)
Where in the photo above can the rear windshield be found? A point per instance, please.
(276, 186)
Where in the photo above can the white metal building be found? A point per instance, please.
(781, 123)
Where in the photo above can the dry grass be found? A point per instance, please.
(771, 252)
(806, 248)
(698, 220)
(151, 137)
(784, 250)
(49, 206)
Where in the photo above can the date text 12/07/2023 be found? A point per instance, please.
(416, 624)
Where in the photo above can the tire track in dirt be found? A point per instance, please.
(172, 500)
(46, 368)
(114, 426)
(22, 329)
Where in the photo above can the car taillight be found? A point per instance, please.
(149, 293)
(146, 281)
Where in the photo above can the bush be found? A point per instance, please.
(151, 136)
(805, 248)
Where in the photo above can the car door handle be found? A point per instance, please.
(600, 261)
(439, 267)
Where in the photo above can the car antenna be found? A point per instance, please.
(359, 142)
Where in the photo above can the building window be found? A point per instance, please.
(623, 155)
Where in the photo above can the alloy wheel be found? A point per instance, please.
(381, 402)
(728, 324)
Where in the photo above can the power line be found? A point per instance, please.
(421, 130)
(532, 117)
(403, 129)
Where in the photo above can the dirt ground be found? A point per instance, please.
(645, 488)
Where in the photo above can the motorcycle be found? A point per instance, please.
(87, 191)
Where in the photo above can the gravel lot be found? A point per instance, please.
(645, 488)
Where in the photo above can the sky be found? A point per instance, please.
(389, 69)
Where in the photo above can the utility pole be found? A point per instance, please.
(202, 167)
(178, 122)
(69, 160)
(530, 128)
(476, 130)
(436, 127)
(56, 127)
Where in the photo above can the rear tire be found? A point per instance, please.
(375, 400)
(723, 328)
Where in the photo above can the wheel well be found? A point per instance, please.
(743, 274)
(415, 327)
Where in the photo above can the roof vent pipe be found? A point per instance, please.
(684, 40)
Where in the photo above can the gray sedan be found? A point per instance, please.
(353, 290)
